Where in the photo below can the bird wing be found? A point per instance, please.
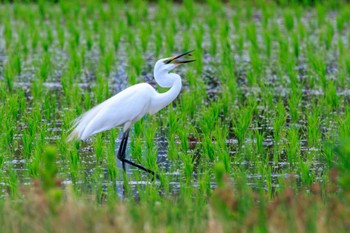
(127, 106)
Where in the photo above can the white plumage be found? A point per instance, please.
(124, 108)
(131, 104)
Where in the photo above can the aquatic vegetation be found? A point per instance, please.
(256, 140)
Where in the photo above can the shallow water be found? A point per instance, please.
(118, 80)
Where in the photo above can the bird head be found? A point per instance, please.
(169, 63)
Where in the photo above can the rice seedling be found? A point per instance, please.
(256, 140)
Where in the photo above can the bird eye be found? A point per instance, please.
(167, 61)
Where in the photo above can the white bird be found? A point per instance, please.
(130, 105)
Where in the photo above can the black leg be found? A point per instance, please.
(122, 148)
(121, 155)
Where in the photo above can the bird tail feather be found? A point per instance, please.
(73, 135)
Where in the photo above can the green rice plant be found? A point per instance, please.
(216, 7)
(98, 188)
(169, 40)
(149, 135)
(187, 159)
(268, 43)
(48, 38)
(331, 95)
(183, 135)
(33, 120)
(288, 18)
(224, 30)
(241, 122)
(158, 40)
(296, 44)
(342, 152)
(137, 148)
(259, 137)
(313, 126)
(187, 13)
(74, 159)
(102, 41)
(252, 35)
(341, 21)
(37, 89)
(347, 65)
(61, 33)
(189, 104)
(101, 89)
(12, 181)
(236, 21)
(221, 134)
(9, 77)
(42, 9)
(321, 14)
(45, 66)
(117, 35)
(34, 164)
(329, 34)
(144, 35)
(74, 37)
(212, 22)
(256, 64)
(208, 148)
(75, 64)
(275, 30)
(2, 161)
(99, 148)
(35, 38)
(251, 78)
(151, 159)
(226, 57)
(173, 149)
(15, 63)
(198, 56)
(293, 149)
(213, 43)
(219, 169)
(319, 67)
(27, 140)
(8, 33)
(279, 121)
(204, 184)
(343, 121)
(48, 171)
(23, 44)
(173, 121)
(50, 107)
(284, 54)
(209, 119)
(107, 62)
(267, 14)
(293, 102)
(9, 129)
(136, 62)
(248, 12)
(151, 149)
(186, 42)
(306, 175)
(111, 163)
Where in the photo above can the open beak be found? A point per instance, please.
(178, 62)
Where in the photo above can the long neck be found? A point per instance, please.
(161, 100)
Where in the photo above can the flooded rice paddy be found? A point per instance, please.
(269, 90)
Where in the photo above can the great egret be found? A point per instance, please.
(130, 105)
